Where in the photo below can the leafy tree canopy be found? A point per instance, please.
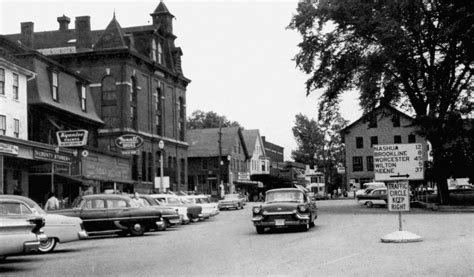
(204, 120)
(416, 54)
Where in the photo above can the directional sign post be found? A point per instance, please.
(396, 164)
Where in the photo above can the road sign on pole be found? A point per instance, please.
(398, 194)
(398, 162)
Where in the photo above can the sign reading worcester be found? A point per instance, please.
(129, 142)
(398, 162)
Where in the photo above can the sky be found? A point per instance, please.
(238, 55)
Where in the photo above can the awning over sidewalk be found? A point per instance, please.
(249, 183)
(75, 179)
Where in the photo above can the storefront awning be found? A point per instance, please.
(75, 179)
(249, 183)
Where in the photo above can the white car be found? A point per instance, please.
(17, 235)
(208, 208)
(174, 202)
(58, 228)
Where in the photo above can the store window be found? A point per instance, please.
(357, 164)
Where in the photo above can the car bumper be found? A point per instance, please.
(31, 246)
(160, 224)
(227, 206)
(215, 212)
(280, 219)
(82, 234)
(204, 215)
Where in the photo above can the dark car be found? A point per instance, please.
(113, 213)
(283, 208)
(376, 196)
(170, 215)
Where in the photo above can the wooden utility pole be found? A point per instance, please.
(219, 179)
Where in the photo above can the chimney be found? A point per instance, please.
(64, 23)
(83, 32)
(27, 33)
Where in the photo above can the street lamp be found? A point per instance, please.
(161, 145)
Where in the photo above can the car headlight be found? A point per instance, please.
(303, 208)
(256, 210)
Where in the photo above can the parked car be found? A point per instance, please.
(376, 196)
(208, 208)
(58, 228)
(283, 208)
(367, 187)
(189, 211)
(170, 215)
(19, 235)
(113, 213)
(231, 201)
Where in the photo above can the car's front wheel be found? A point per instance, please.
(47, 245)
(137, 229)
(369, 204)
(260, 229)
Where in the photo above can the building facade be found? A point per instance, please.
(383, 125)
(137, 85)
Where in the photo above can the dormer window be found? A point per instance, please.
(54, 86)
(83, 98)
(153, 50)
(160, 53)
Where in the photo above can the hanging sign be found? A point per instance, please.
(72, 138)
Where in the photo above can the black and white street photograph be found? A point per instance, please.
(237, 138)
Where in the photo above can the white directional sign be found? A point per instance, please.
(398, 162)
(398, 195)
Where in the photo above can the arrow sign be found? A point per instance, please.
(398, 175)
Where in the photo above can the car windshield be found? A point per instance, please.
(203, 200)
(231, 196)
(284, 196)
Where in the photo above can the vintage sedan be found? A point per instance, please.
(283, 208)
(170, 215)
(376, 196)
(231, 201)
(189, 211)
(19, 235)
(58, 228)
(113, 213)
(208, 208)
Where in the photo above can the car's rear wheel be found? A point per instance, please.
(369, 204)
(137, 229)
(47, 245)
(305, 227)
(260, 229)
(194, 219)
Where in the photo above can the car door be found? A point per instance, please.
(94, 215)
(118, 210)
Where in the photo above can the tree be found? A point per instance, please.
(204, 120)
(416, 54)
(319, 142)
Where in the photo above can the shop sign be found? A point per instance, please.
(8, 149)
(51, 156)
(72, 138)
(244, 176)
(129, 143)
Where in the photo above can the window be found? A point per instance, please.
(2, 81)
(160, 53)
(158, 108)
(153, 50)
(370, 163)
(359, 142)
(83, 98)
(133, 103)
(182, 118)
(54, 87)
(396, 120)
(374, 141)
(109, 102)
(397, 139)
(357, 164)
(15, 86)
(3, 125)
(411, 138)
(16, 128)
(372, 120)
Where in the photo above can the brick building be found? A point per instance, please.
(383, 125)
(137, 85)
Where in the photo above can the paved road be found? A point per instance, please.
(345, 242)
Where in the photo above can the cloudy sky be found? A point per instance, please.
(237, 53)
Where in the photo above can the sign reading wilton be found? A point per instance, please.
(398, 162)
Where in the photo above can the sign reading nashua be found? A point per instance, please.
(129, 143)
(72, 138)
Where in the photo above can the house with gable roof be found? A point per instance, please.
(212, 163)
(138, 88)
(383, 125)
(259, 163)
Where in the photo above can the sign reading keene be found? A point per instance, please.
(398, 162)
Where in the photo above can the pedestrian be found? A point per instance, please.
(136, 199)
(260, 197)
(52, 203)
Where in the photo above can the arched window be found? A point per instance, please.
(153, 50)
(160, 53)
